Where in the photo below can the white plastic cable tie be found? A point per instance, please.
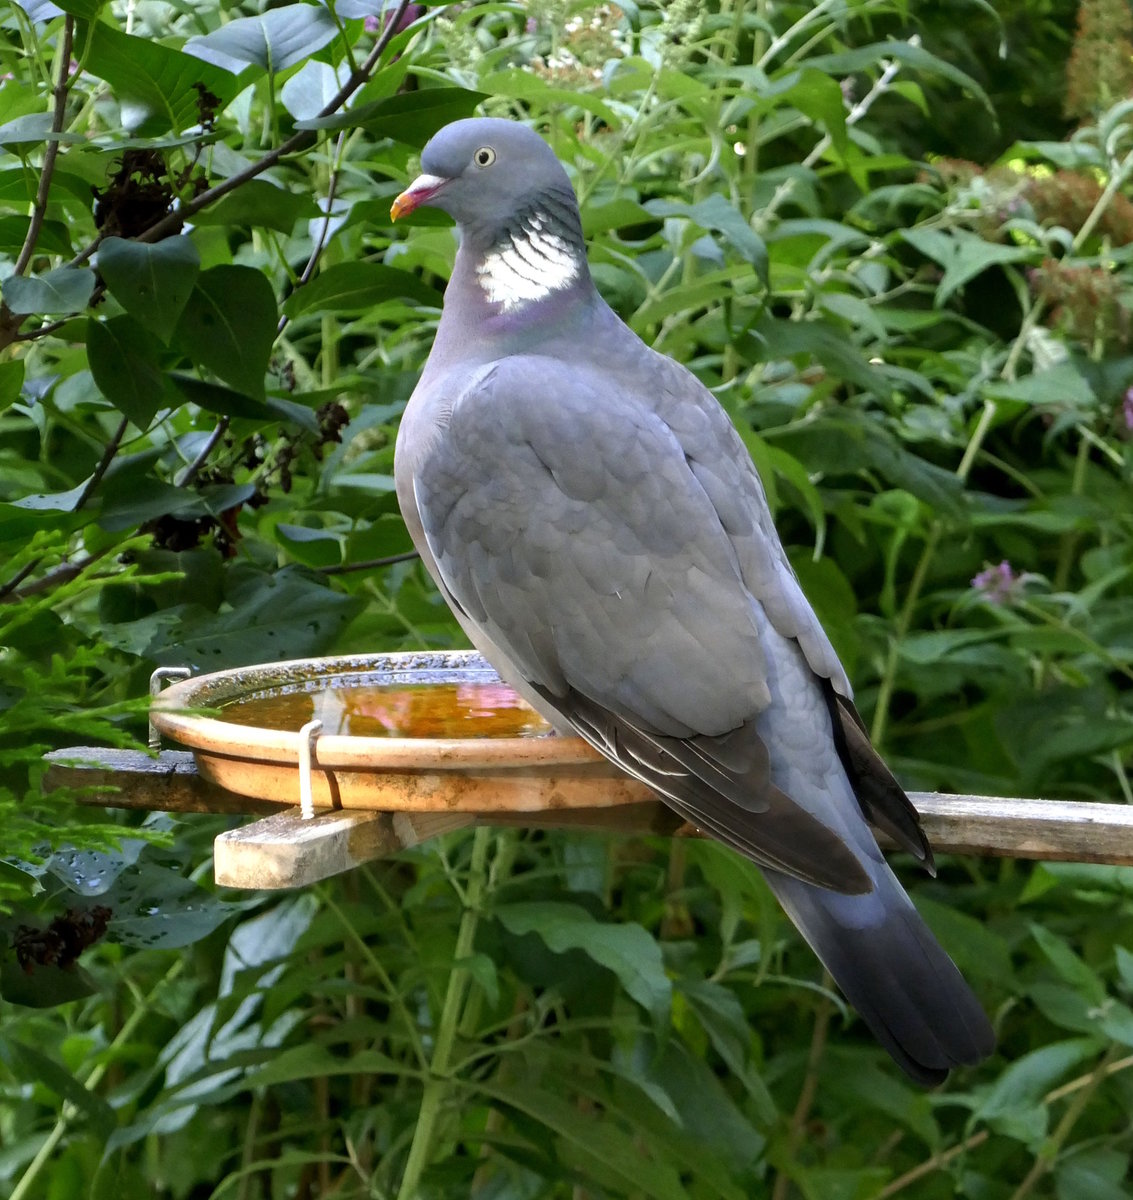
(161, 676)
(308, 735)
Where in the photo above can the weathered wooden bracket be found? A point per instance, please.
(285, 850)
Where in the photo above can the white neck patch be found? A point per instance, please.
(531, 265)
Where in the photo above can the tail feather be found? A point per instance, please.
(893, 971)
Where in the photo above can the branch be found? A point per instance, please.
(371, 564)
(104, 462)
(297, 141)
(321, 240)
(190, 472)
(19, 577)
(39, 210)
(10, 322)
(63, 573)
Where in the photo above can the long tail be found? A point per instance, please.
(893, 971)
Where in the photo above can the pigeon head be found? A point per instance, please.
(521, 236)
(482, 170)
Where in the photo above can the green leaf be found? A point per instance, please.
(356, 287)
(819, 95)
(34, 127)
(271, 617)
(229, 325)
(53, 238)
(64, 290)
(151, 282)
(31, 1065)
(275, 40)
(1060, 386)
(410, 117)
(11, 382)
(85, 9)
(614, 214)
(227, 403)
(313, 1061)
(260, 204)
(1013, 1104)
(840, 1183)
(846, 441)
(124, 360)
(716, 214)
(156, 906)
(963, 255)
(156, 83)
(312, 547)
(627, 950)
(612, 1149)
(910, 54)
(46, 987)
(722, 1017)
(1095, 1173)
(1071, 969)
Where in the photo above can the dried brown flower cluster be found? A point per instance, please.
(1100, 70)
(1066, 198)
(1086, 303)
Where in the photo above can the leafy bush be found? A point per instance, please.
(210, 330)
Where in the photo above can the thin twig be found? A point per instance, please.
(855, 114)
(933, 1164)
(19, 577)
(104, 462)
(39, 209)
(1105, 1068)
(321, 241)
(29, 335)
(297, 141)
(61, 574)
(371, 564)
(190, 472)
(807, 1093)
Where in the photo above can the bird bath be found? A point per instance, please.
(417, 732)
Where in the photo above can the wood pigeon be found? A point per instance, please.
(596, 524)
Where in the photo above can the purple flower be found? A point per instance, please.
(998, 585)
(377, 24)
(1127, 409)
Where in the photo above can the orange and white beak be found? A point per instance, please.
(419, 192)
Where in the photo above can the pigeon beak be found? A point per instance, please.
(419, 192)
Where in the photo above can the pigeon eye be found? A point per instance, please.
(484, 157)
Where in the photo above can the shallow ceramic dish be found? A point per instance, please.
(396, 771)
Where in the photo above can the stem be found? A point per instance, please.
(1087, 1083)
(370, 564)
(932, 1164)
(298, 140)
(823, 144)
(904, 623)
(1048, 1153)
(806, 1094)
(1116, 180)
(39, 210)
(104, 462)
(125, 1034)
(190, 472)
(438, 1085)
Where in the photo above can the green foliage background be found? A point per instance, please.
(897, 247)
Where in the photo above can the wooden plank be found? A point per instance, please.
(287, 850)
(1067, 830)
(167, 782)
(1003, 827)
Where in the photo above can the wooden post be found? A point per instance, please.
(283, 850)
